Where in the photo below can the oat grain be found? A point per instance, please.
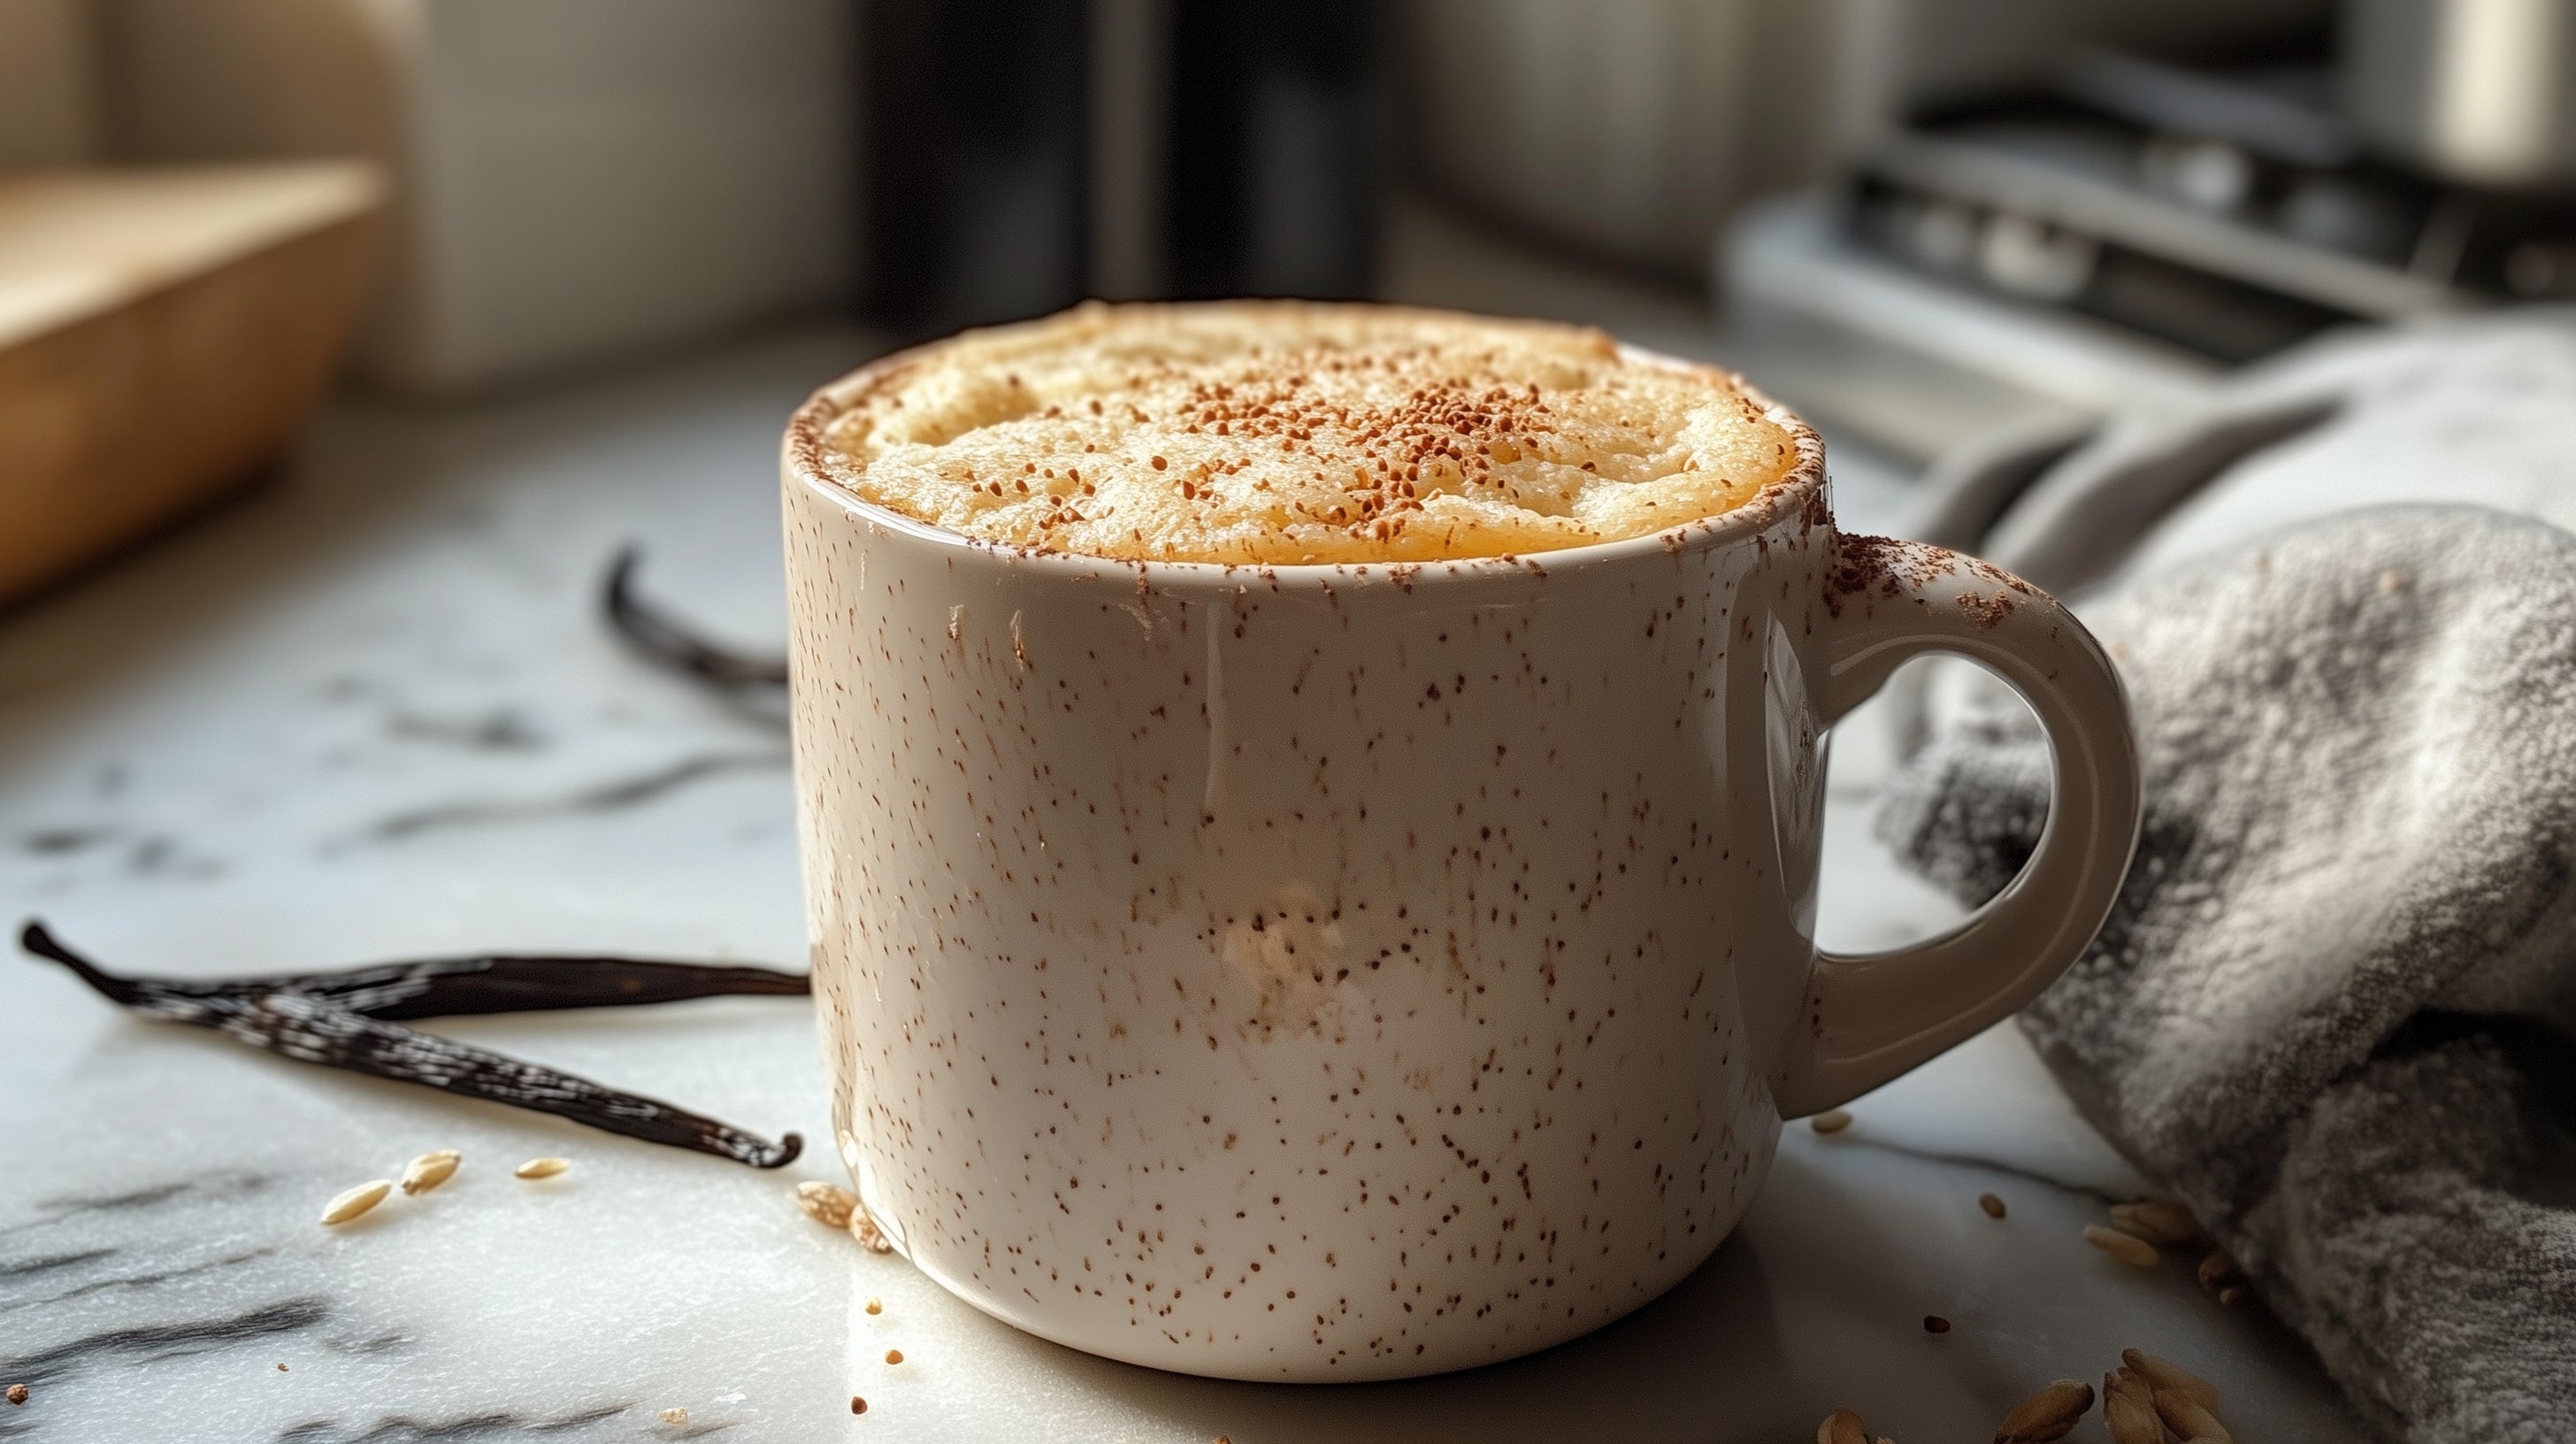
(430, 1170)
(2157, 1220)
(2188, 1418)
(2162, 1373)
(2128, 1248)
(1841, 1427)
(828, 1204)
(2131, 1416)
(2048, 1415)
(353, 1202)
(865, 1230)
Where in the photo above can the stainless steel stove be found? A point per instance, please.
(2116, 238)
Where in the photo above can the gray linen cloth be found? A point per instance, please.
(2335, 1008)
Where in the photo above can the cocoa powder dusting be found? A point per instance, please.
(1814, 513)
(1986, 610)
(1864, 565)
(2000, 577)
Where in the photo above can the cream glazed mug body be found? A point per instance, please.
(1361, 971)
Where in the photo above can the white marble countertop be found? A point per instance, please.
(370, 712)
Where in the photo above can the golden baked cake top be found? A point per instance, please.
(1289, 432)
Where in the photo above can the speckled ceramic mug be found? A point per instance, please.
(1350, 972)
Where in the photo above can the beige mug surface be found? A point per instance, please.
(1361, 971)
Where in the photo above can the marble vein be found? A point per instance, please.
(129, 1281)
(2074, 1187)
(154, 1342)
(613, 795)
(402, 1429)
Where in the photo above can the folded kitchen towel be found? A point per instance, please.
(2333, 1008)
(2475, 409)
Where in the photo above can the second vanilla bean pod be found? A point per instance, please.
(652, 632)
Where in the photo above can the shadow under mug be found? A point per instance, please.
(1362, 971)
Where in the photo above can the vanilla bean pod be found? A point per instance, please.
(654, 633)
(498, 983)
(313, 1027)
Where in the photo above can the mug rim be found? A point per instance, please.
(1800, 492)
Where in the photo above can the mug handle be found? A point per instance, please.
(1871, 1017)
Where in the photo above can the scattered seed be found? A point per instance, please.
(17, 1394)
(675, 1416)
(2186, 1416)
(876, 1306)
(1935, 1324)
(2047, 1415)
(2166, 1374)
(355, 1201)
(826, 1203)
(2230, 1296)
(2217, 1270)
(2129, 1412)
(542, 1167)
(865, 1230)
(860, 1406)
(430, 1170)
(1832, 1120)
(281, 1368)
(1841, 1427)
(2158, 1220)
(2128, 1248)
(2128, 1381)
(1992, 1204)
(894, 1356)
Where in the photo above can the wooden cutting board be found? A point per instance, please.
(161, 334)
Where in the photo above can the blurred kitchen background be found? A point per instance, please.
(1923, 222)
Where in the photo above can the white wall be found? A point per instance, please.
(578, 180)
